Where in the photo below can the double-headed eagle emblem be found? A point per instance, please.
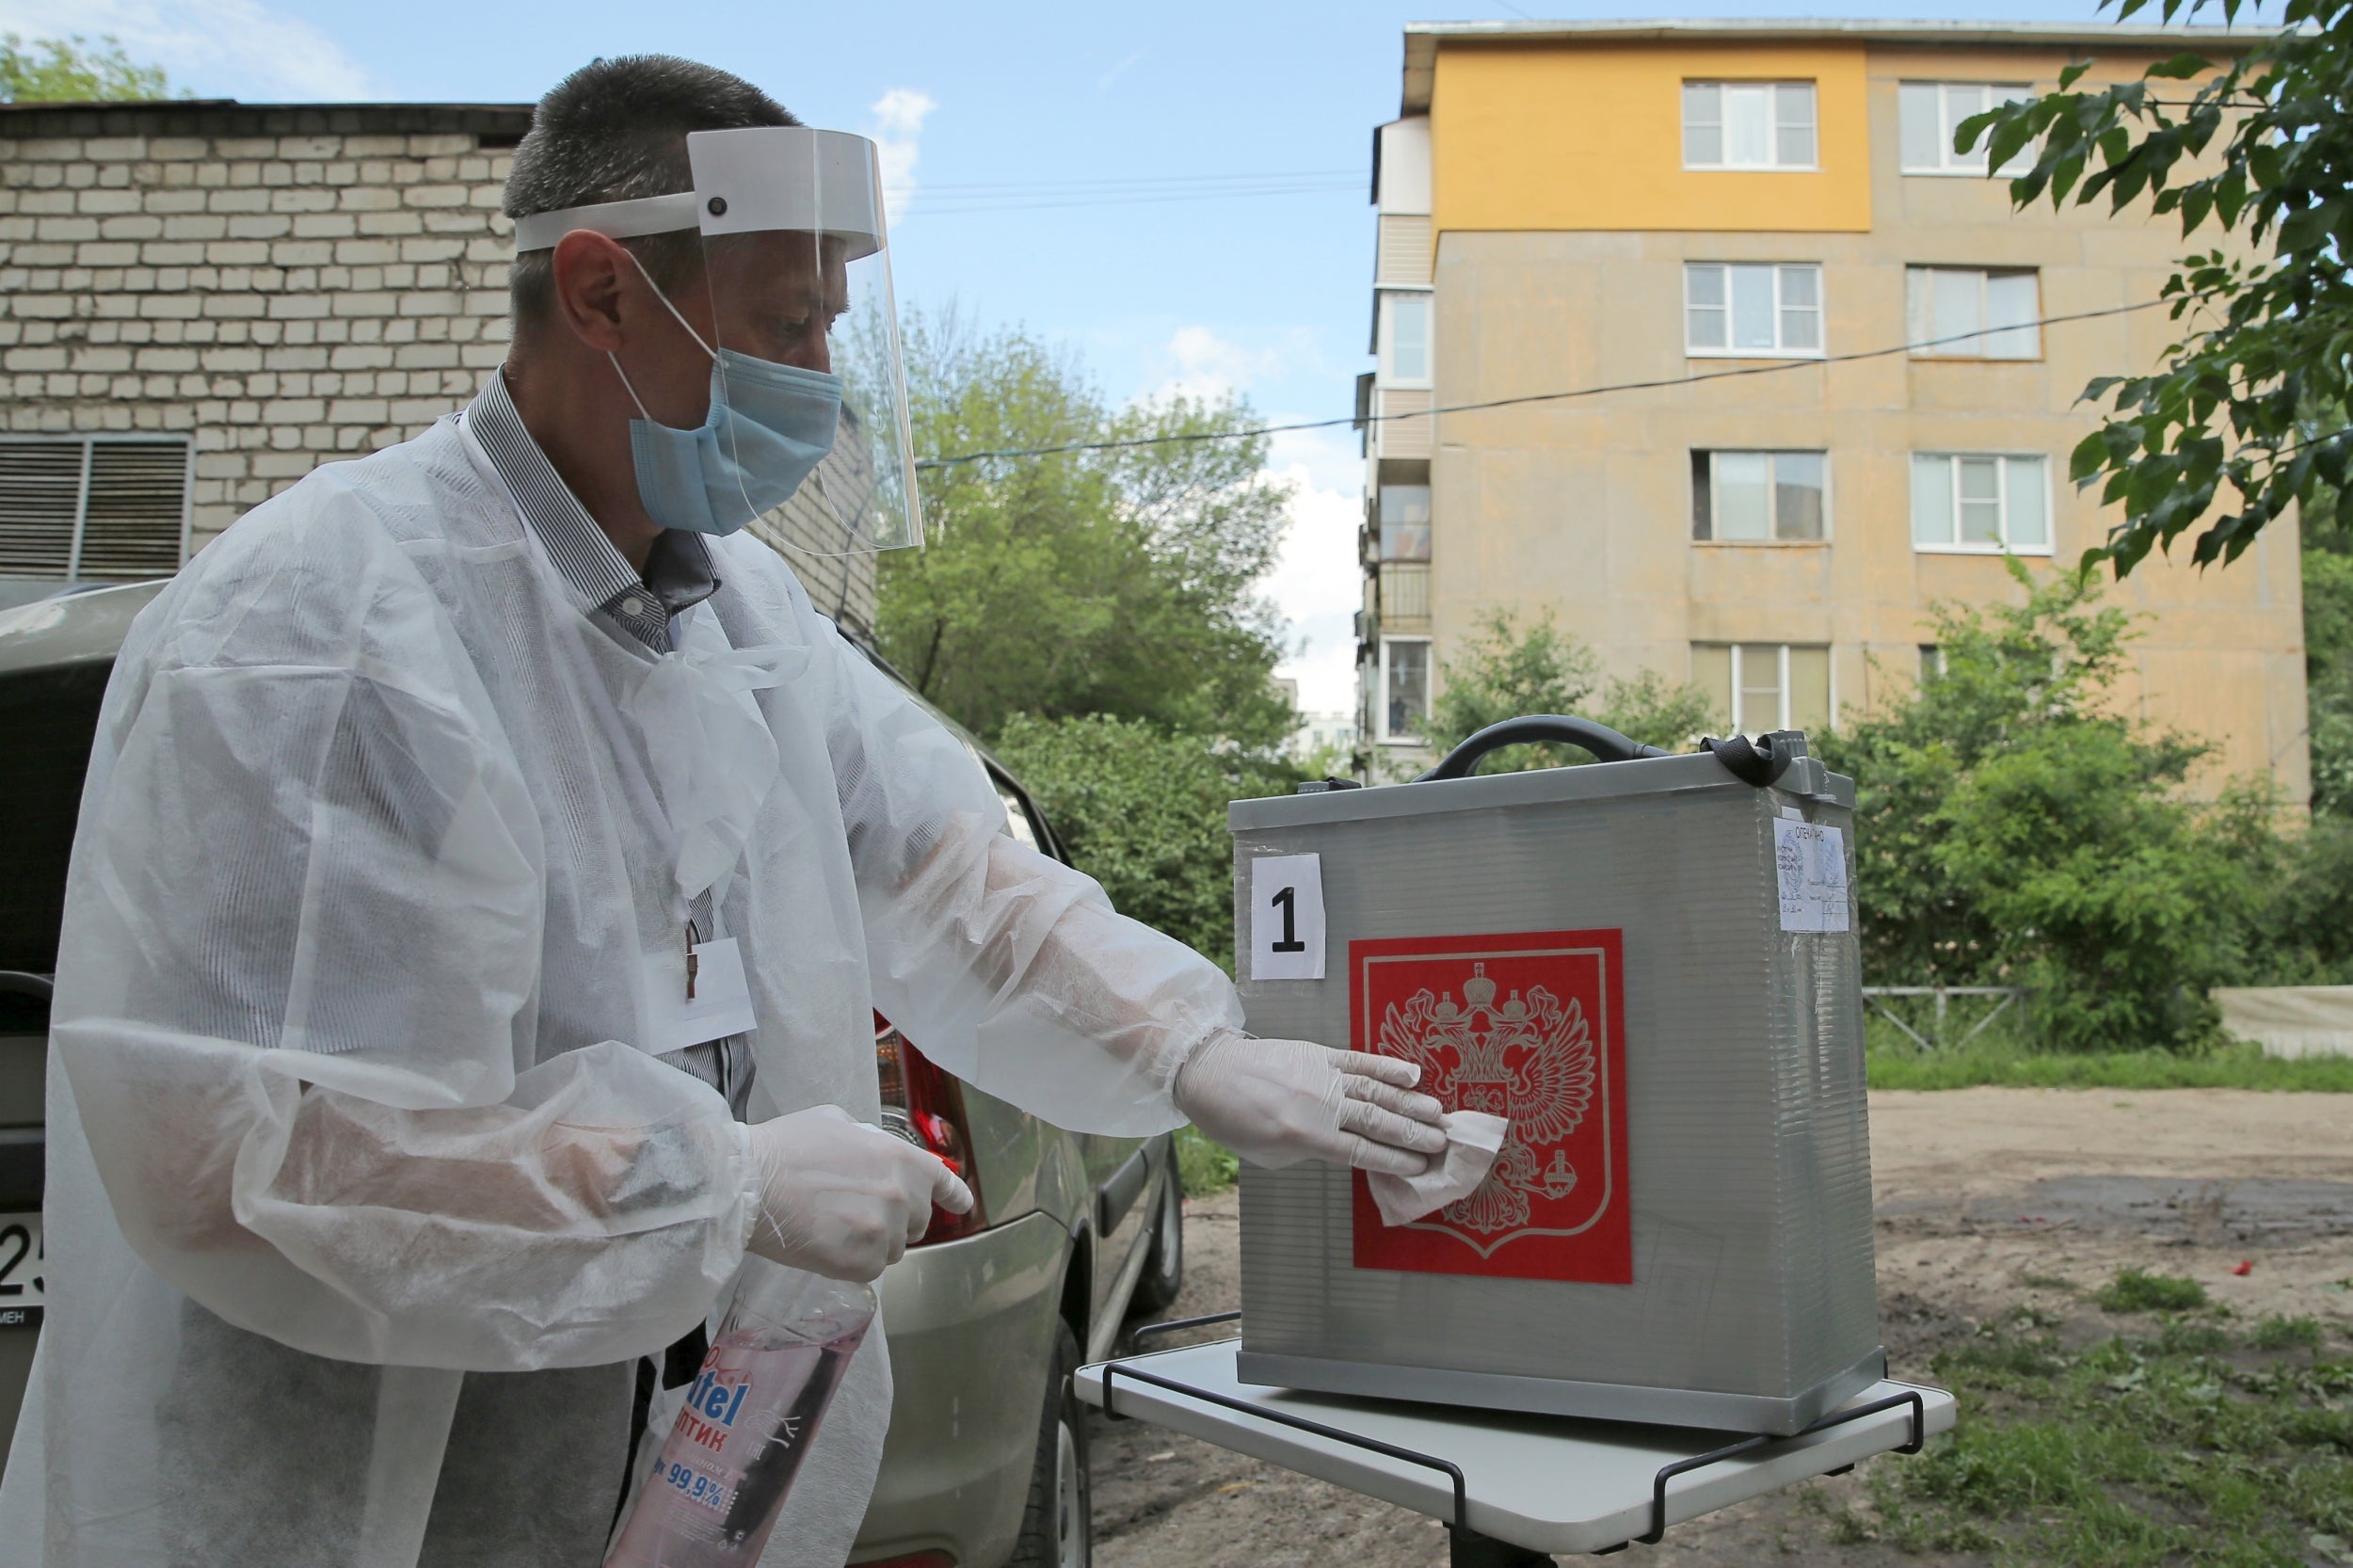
(1530, 1060)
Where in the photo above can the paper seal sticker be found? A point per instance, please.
(1810, 862)
(1529, 1027)
(1287, 916)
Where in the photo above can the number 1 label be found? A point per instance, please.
(1287, 916)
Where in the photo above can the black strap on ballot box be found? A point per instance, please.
(1760, 763)
(1470, 1548)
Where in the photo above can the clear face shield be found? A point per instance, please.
(807, 440)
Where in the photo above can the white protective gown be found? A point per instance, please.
(364, 1190)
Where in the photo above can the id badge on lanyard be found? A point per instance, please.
(713, 999)
(718, 1000)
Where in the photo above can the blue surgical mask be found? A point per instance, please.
(768, 427)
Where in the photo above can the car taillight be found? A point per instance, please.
(925, 1106)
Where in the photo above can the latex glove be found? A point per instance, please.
(1277, 1102)
(841, 1197)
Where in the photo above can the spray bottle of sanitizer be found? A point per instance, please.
(716, 1488)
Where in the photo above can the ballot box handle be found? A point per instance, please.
(1658, 1530)
(1605, 743)
(1760, 761)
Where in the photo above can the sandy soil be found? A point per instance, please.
(1986, 1198)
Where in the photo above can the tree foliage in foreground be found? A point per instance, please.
(2261, 143)
(1119, 583)
(1507, 670)
(72, 71)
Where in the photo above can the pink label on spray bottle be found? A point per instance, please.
(720, 1481)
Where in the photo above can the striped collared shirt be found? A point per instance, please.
(678, 576)
(678, 573)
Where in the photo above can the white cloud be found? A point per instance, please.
(215, 48)
(1315, 581)
(1199, 361)
(898, 131)
(1202, 364)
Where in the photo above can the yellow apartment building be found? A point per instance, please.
(1567, 205)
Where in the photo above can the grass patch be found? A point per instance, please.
(1204, 1165)
(2182, 1448)
(2286, 1334)
(2133, 1290)
(1895, 1063)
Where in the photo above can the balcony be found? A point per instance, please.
(1405, 595)
(1393, 436)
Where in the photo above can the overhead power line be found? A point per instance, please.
(1134, 182)
(1776, 368)
(1022, 196)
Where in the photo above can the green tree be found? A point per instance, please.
(2327, 572)
(1142, 812)
(2305, 934)
(1506, 670)
(2261, 144)
(71, 71)
(1118, 582)
(2012, 829)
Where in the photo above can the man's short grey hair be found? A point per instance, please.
(616, 130)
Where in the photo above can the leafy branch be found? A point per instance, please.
(2263, 146)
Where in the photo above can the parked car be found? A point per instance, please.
(985, 1462)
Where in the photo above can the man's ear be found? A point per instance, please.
(591, 275)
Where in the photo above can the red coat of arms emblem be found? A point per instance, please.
(1528, 1027)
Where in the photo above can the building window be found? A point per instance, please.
(1404, 522)
(1752, 310)
(1761, 686)
(1404, 687)
(1404, 340)
(1929, 113)
(1931, 661)
(1986, 502)
(1748, 125)
(1751, 497)
(1970, 314)
(92, 507)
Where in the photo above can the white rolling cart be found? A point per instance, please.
(1513, 1489)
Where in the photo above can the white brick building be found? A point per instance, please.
(204, 300)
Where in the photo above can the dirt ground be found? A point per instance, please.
(1985, 1198)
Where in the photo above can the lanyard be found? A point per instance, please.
(644, 799)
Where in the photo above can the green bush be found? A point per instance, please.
(2133, 1290)
(1142, 812)
(1205, 1166)
(2012, 829)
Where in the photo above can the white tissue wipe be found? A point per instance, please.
(1473, 1139)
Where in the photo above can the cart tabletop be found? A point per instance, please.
(1546, 1483)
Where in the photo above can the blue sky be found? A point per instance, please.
(1026, 135)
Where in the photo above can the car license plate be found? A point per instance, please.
(20, 1270)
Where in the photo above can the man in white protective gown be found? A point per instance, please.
(385, 1141)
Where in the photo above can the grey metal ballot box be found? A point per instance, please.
(1649, 967)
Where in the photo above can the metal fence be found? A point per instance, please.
(1881, 998)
